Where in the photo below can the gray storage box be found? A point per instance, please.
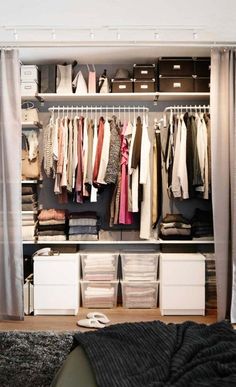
(47, 78)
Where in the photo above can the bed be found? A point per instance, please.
(152, 354)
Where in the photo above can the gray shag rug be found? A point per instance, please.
(31, 359)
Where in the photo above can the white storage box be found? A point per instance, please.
(99, 267)
(29, 73)
(139, 266)
(29, 88)
(137, 294)
(99, 294)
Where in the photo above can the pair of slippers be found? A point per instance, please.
(94, 320)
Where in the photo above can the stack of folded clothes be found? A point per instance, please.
(52, 225)
(29, 199)
(202, 224)
(29, 204)
(83, 226)
(175, 226)
(28, 227)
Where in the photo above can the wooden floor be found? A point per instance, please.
(117, 315)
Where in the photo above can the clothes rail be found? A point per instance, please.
(99, 108)
(187, 107)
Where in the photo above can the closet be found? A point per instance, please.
(158, 109)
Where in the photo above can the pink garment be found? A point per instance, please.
(125, 217)
(52, 214)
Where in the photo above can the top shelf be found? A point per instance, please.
(50, 97)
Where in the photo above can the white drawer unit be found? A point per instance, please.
(56, 284)
(182, 284)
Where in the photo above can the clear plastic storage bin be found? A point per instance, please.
(99, 267)
(139, 266)
(99, 294)
(136, 294)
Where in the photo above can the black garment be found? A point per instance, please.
(189, 155)
(137, 144)
(197, 177)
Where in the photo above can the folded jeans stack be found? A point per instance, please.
(83, 226)
(202, 224)
(175, 226)
(52, 225)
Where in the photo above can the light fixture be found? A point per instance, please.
(53, 34)
(91, 35)
(156, 35)
(15, 34)
(195, 35)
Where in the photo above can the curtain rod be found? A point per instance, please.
(114, 44)
(97, 108)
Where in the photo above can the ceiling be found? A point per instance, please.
(115, 31)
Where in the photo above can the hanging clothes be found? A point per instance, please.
(188, 145)
(125, 217)
(113, 165)
(93, 197)
(104, 158)
(79, 173)
(98, 151)
(179, 177)
(145, 167)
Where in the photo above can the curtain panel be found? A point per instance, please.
(11, 255)
(223, 141)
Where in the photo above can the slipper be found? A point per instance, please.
(90, 323)
(99, 316)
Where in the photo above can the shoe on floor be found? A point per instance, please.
(90, 323)
(101, 317)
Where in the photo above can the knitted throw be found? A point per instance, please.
(156, 355)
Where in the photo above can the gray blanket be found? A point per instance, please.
(154, 354)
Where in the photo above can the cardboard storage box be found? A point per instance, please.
(144, 71)
(202, 85)
(177, 85)
(202, 67)
(144, 85)
(122, 85)
(29, 88)
(29, 73)
(176, 67)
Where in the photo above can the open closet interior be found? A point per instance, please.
(123, 185)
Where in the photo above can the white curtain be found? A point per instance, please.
(11, 256)
(223, 110)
